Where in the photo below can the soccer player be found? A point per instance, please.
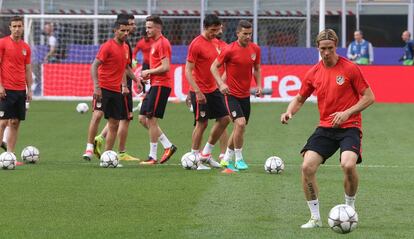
(15, 81)
(155, 101)
(240, 57)
(207, 101)
(124, 124)
(342, 94)
(108, 72)
(143, 45)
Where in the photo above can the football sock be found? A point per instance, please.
(208, 148)
(89, 146)
(238, 153)
(164, 141)
(153, 150)
(228, 155)
(195, 151)
(350, 201)
(314, 209)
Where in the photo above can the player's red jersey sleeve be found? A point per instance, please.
(307, 87)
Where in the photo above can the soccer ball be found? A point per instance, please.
(109, 159)
(30, 154)
(82, 108)
(7, 160)
(274, 165)
(188, 161)
(343, 219)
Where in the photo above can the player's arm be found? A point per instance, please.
(293, 107)
(124, 83)
(129, 73)
(97, 93)
(29, 82)
(189, 67)
(257, 73)
(164, 67)
(367, 99)
(2, 90)
(224, 89)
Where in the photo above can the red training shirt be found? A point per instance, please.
(239, 63)
(114, 58)
(145, 46)
(160, 49)
(202, 53)
(337, 88)
(14, 56)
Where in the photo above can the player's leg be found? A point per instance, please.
(223, 144)
(92, 131)
(350, 145)
(99, 141)
(241, 108)
(123, 129)
(310, 165)
(3, 125)
(113, 125)
(348, 165)
(12, 137)
(4, 141)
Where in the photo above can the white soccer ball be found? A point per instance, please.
(343, 219)
(109, 159)
(274, 165)
(7, 160)
(82, 108)
(30, 154)
(189, 161)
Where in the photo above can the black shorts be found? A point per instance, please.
(114, 105)
(155, 101)
(128, 100)
(213, 109)
(238, 107)
(13, 106)
(326, 141)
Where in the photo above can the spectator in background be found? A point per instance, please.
(360, 51)
(52, 43)
(407, 58)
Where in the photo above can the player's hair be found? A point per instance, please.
(155, 19)
(243, 24)
(16, 19)
(327, 34)
(125, 16)
(211, 20)
(119, 22)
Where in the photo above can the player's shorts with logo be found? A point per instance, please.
(213, 109)
(13, 106)
(238, 107)
(113, 105)
(155, 102)
(326, 141)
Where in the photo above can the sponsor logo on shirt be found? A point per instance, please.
(253, 56)
(340, 80)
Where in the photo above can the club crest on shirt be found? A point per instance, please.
(340, 80)
(24, 52)
(234, 113)
(253, 56)
(202, 113)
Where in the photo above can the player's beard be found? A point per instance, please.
(219, 36)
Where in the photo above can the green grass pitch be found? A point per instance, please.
(65, 197)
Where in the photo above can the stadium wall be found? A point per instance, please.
(391, 84)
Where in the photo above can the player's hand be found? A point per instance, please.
(29, 95)
(259, 92)
(338, 118)
(285, 117)
(97, 94)
(201, 98)
(140, 87)
(188, 100)
(125, 90)
(145, 74)
(224, 89)
(2, 92)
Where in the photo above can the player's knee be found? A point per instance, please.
(308, 169)
(348, 166)
(224, 121)
(202, 125)
(240, 123)
(14, 123)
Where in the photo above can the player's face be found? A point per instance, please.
(132, 26)
(244, 36)
(327, 49)
(212, 31)
(16, 29)
(122, 33)
(220, 33)
(152, 29)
